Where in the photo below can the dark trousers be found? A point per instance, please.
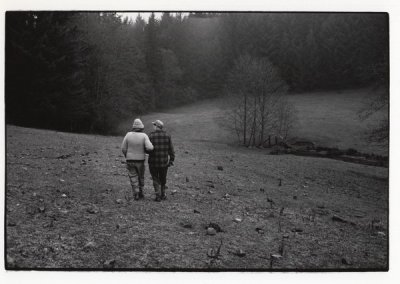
(159, 176)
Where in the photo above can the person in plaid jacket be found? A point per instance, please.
(160, 158)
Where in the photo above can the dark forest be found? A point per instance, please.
(87, 71)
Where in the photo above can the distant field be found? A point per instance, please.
(329, 119)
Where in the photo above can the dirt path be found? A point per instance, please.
(68, 206)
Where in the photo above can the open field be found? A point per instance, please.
(332, 120)
(328, 119)
(69, 204)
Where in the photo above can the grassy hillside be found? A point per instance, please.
(328, 119)
(69, 204)
(332, 120)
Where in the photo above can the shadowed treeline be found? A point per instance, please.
(87, 72)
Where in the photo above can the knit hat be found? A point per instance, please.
(158, 123)
(137, 123)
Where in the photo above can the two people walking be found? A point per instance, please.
(158, 145)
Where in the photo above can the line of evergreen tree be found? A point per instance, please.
(87, 71)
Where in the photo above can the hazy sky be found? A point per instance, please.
(145, 15)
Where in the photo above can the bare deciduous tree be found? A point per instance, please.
(259, 106)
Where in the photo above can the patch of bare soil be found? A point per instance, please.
(69, 206)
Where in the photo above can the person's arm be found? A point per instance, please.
(171, 152)
(147, 144)
(124, 146)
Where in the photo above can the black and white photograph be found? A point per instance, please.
(196, 141)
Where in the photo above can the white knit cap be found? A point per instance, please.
(137, 123)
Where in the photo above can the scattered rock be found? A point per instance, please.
(260, 231)
(109, 264)
(297, 230)
(286, 236)
(381, 234)
(173, 191)
(11, 224)
(338, 219)
(211, 185)
(195, 211)
(321, 206)
(61, 180)
(239, 252)
(345, 261)
(24, 168)
(119, 201)
(322, 212)
(215, 226)
(211, 231)
(226, 196)
(92, 210)
(64, 156)
(295, 197)
(210, 192)
(187, 179)
(276, 256)
(187, 225)
(89, 246)
(220, 168)
(63, 195)
(270, 200)
(48, 224)
(262, 189)
(237, 220)
(41, 209)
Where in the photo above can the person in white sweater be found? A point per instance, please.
(134, 147)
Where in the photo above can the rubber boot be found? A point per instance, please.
(163, 195)
(141, 195)
(157, 190)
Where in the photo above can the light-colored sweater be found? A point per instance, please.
(135, 144)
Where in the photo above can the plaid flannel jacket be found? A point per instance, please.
(162, 148)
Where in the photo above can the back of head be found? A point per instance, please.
(137, 125)
(158, 123)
